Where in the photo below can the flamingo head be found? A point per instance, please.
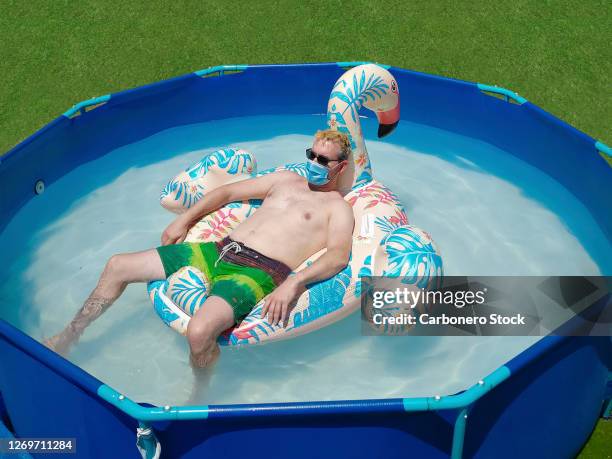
(371, 86)
(385, 102)
(388, 120)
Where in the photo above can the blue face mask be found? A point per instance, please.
(316, 174)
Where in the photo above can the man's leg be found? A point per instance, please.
(213, 318)
(120, 270)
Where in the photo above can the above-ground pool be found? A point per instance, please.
(503, 187)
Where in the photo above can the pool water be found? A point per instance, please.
(490, 214)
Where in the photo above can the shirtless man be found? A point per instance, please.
(298, 218)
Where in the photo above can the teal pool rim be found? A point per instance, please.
(141, 413)
(411, 405)
(458, 401)
(453, 401)
(220, 69)
(236, 68)
(350, 64)
(502, 91)
(603, 148)
(78, 107)
(458, 404)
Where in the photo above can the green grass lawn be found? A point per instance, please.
(53, 54)
(556, 54)
(599, 445)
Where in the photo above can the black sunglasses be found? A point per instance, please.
(322, 160)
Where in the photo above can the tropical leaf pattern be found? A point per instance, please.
(365, 271)
(298, 168)
(388, 223)
(374, 194)
(252, 328)
(324, 297)
(188, 193)
(267, 171)
(362, 159)
(156, 289)
(190, 291)
(365, 85)
(364, 177)
(230, 159)
(387, 326)
(219, 224)
(360, 91)
(237, 336)
(335, 120)
(239, 204)
(408, 251)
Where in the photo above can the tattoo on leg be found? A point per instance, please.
(93, 308)
(109, 288)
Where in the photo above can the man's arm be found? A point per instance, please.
(339, 243)
(255, 188)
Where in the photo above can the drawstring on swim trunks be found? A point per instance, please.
(231, 246)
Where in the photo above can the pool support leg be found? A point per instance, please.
(459, 433)
(607, 408)
(607, 412)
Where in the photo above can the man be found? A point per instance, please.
(298, 217)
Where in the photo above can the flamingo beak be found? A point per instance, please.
(387, 121)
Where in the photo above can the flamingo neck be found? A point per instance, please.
(361, 158)
(344, 117)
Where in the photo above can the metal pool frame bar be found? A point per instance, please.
(543, 402)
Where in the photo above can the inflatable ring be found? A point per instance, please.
(384, 244)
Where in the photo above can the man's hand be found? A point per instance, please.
(176, 232)
(339, 242)
(276, 305)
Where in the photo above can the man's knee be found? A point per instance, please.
(200, 335)
(115, 266)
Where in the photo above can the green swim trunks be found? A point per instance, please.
(237, 273)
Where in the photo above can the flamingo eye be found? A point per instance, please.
(393, 86)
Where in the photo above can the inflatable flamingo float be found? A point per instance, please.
(384, 244)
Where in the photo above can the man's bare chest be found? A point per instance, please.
(305, 208)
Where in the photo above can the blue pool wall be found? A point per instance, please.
(527, 132)
(546, 408)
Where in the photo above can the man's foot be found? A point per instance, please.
(61, 343)
(202, 366)
(201, 382)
